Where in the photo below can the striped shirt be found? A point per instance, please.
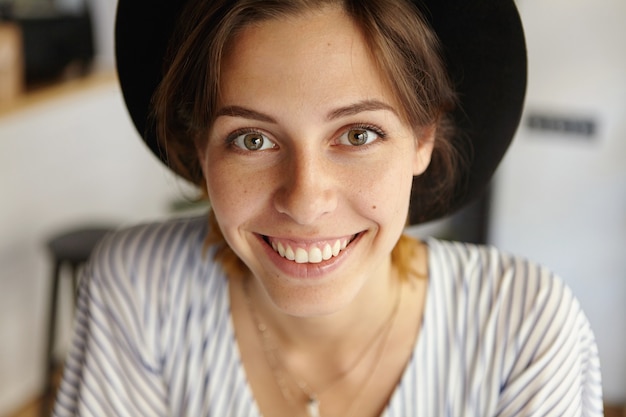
(153, 336)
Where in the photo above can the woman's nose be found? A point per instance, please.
(307, 189)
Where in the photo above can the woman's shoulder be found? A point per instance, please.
(158, 240)
(514, 323)
(156, 251)
(162, 266)
(507, 296)
(486, 268)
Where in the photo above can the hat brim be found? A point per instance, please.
(485, 53)
(483, 47)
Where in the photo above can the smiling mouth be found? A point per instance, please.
(312, 253)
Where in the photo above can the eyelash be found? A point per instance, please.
(368, 126)
(382, 135)
(232, 136)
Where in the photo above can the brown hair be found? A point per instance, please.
(405, 50)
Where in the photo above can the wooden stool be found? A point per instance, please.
(71, 249)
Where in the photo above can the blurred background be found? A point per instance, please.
(70, 158)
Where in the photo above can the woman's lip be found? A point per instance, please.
(308, 269)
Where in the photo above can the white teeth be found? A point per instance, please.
(328, 252)
(314, 255)
(301, 256)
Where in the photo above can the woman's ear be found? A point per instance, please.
(424, 148)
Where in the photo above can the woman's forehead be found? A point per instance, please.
(310, 58)
(322, 27)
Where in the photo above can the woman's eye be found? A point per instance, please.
(253, 141)
(359, 136)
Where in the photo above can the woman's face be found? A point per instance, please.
(308, 164)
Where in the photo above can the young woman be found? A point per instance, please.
(316, 129)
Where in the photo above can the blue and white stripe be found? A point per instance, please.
(501, 337)
(153, 336)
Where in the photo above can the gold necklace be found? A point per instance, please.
(273, 357)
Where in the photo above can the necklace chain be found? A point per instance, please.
(281, 373)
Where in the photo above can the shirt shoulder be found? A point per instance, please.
(509, 327)
(157, 242)
(488, 285)
(157, 270)
(487, 278)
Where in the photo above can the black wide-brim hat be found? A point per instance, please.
(483, 48)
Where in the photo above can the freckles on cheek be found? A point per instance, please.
(226, 195)
(234, 198)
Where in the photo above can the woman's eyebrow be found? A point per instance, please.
(349, 110)
(361, 106)
(238, 111)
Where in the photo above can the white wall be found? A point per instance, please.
(560, 198)
(103, 13)
(64, 161)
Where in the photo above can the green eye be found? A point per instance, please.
(359, 136)
(253, 141)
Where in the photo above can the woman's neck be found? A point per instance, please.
(356, 324)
